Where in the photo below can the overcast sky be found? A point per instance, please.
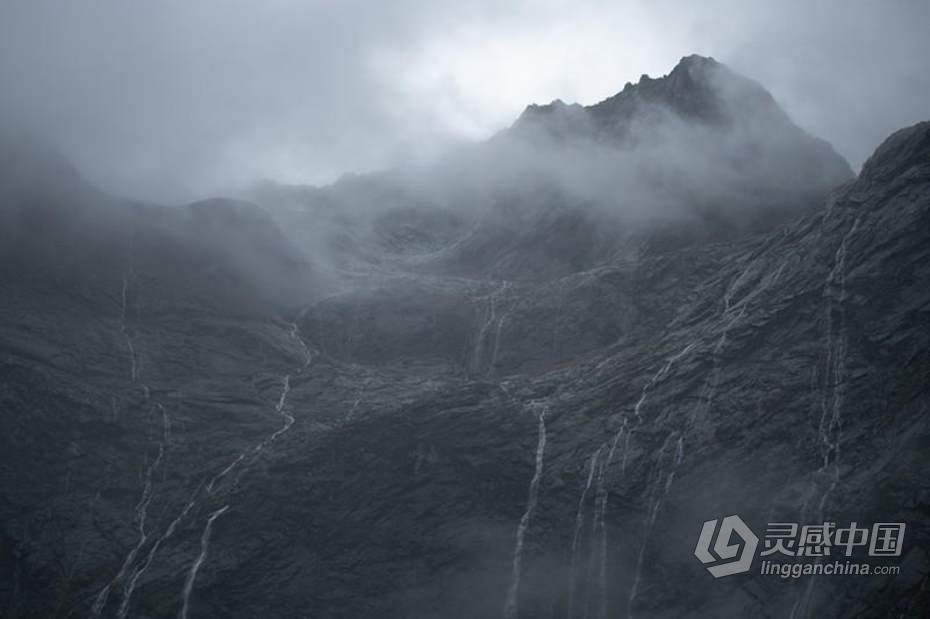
(176, 100)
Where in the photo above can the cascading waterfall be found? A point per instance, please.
(729, 318)
(482, 333)
(286, 416)
(579, 525)
(165, 425)
(192, 574)
(511, 606)
(663, 481)
(620, 440)
(659, 493)
(211, 485)
(280, 409)
(665, 476)
(124, 326)
(150, 557)
(497, 343)
(142, 508)
(494, 322)
(662, 373)
(653, 511)
(601, 498)
(294, 332)
(831, 402)
(778, 272)
(256, 450)
(831, 411)
(141, 515)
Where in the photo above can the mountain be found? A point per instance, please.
(494, 387)
(57, 227)
(702, 111)
(700, 155)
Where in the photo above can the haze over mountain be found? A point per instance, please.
(702, 153)
(175, 102)
(515, 382)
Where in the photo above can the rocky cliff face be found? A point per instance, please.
(409, 396)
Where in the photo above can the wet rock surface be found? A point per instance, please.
(529, 414)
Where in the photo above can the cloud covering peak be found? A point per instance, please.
(174, 101)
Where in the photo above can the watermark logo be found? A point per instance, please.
(728, 546)
(725, 548)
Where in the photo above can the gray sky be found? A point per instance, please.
(177, 100)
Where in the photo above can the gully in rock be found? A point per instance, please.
(663, 477)
(511, 605)
(192, 574)
(601, 499)
(280, 408)
(833, 391)
(140, 570)
(124, 325)
(288, 421)
(655, 505)
(662, 373)
(576, 534)
(492, 323)
(141, 515)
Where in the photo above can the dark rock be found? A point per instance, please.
(362, 435)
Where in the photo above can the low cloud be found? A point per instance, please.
(174, 101)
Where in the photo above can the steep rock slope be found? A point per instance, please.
(229, 433)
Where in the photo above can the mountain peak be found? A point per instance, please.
(555, 106)
(557, 119)
(697, 72)
(698, 88)
(695, 60)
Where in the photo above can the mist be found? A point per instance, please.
(404, 309)
(173, 102)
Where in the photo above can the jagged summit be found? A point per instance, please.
(692, 72)
(557, 119)
(697, 88)
(701, 115)
(554, 107)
